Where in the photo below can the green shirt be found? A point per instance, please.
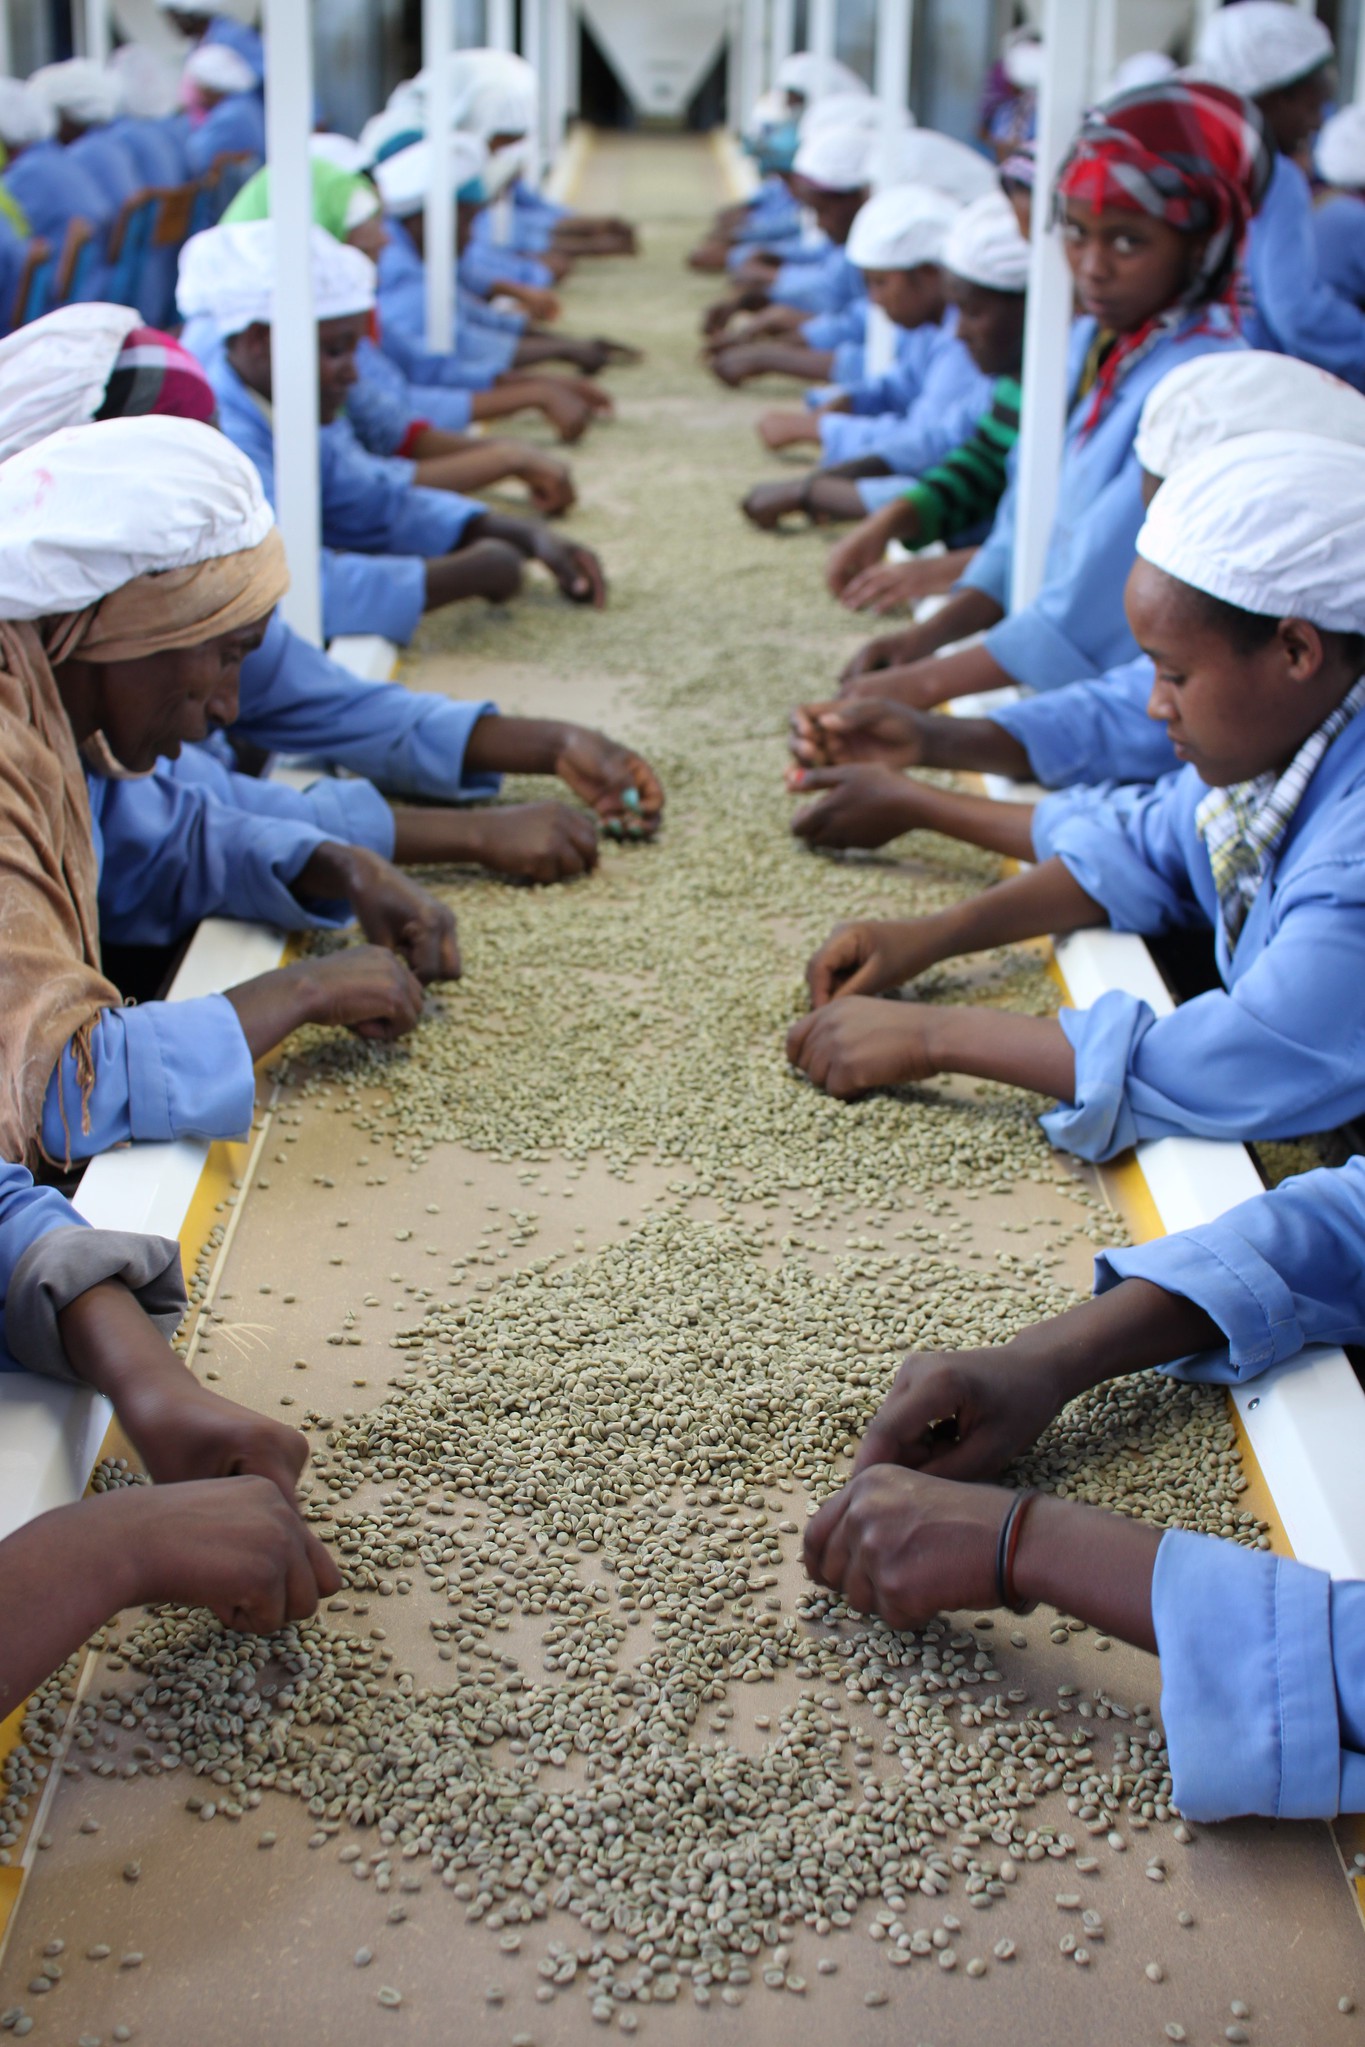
(964, 489)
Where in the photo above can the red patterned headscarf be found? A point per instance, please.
(1191, 154)
(153, 373)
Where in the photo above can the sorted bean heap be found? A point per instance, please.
(612, 1457)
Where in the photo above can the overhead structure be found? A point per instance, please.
(1062, 100)
(294, 368)
(661, 53)
(748, 73)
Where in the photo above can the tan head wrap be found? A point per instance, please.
(51, 986)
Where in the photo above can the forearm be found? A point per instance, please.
(973, 745)
(431, 837)
(995, 1044)
(501, 400)
(1044, 900)
(271, 1006)
(515, 746)
(1005, 828)
(969, 672)
(429, 443)
(111, 1345)
(519, 533)
(61, 1577)
(789, 359)
(966, 612)
(1134, 1327)
(1094, 1565)
(477, 466)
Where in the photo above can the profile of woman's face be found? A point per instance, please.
(149, 708)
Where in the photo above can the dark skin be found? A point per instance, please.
(146, 709)
(990, 324)
(1126, 267)
(834, 213)
(914, 1531)
(1293, 114)
(1231, 714)
(488, 561)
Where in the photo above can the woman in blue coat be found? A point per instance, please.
(1247, 597)
(1154, 199)
(1262, 1658)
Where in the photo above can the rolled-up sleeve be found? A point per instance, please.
(1092, 731)
(1263, 1682)
(162, 1070)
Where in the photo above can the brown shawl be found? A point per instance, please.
(51, 986)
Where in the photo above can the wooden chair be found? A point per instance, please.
(79, 254)
(33, 293)
(129, 240)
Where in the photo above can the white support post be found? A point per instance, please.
(1104, 45)
(557, 24)
(438, 42)
(1061, 103)
(783, 40)
(501, 24)
(748, 84)
(1359, 94)
(98, 34)
(822, 34)
(1203, 9)
(6, 47)
(895, 33)
(533, 40)
(293, 352)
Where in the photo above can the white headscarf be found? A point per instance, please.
(1201, 404)
(847, 110)
(227, 275)
(901, 228)
(25, 115)
(835, 159)
(218, 69)
(404, 177)
(73, 529)
(815, 78)
(1340, 154)
(339, 151)
(1270, 522)
(81, 89)
(150, 85)
(54, 372)
(1022, 58)
(1260, 45)
(921, 156)
(984, 245)
(1144, 67)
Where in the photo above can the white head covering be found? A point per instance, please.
(835, 159)
(1201, 404)
(81, 89)
(1144, 67)
(847, 110)
(227, 275)
(1260, 45)
(766, 112)
(900, 228)
(218, 69)
(404, 177)
(25, 116)
(1340, 154)
(921, 156)
(340, 151)
(54, 372)
(984, 245)
(72, 531)
(149, 82)
(494, 98)
(815, 78)
(1271, 522)
(1022, 58)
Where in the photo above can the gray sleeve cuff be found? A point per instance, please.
(60, 1266)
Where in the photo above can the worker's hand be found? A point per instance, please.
(768, 504)
(230, 1544)
(367, 988)
(549, 482)
(537, 842)
(182, 1430)
(854, 556)
(851, 730)
(863, 807)
(860, 1043)
(394, 910)
(618, 354)
(870, 957)
(906, 1546)
(594, 397)
(889, 650)
(717, 317)
(618, 784)
(736, 365)
(576, 569)
(916, 684)
(881, 586)
(787, 429)
(962, 1414)
(490, 569)
(568, 414)
(540, 303)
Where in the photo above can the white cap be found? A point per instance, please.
(72, 531)
(1022, 58)
(81, 89)
(922, 156)
(227, 275)
(25, 115)
(218, 69)
(848, 110)
(901, 228)
(835, 159)
(1144, 67)
(1340, 154)
(1271, 522)
(150, 84)
(984, 245)
(815, 78)
(1260, 45)
(404, 177)
(54, 372)
(1214, 398)
(339, 151)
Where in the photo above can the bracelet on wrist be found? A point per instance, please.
(1007, 1548)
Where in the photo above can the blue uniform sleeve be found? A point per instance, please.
(1279, 1054)
(294, 699)
(946, 413)
(368, 508)
(1339, 230)
(991, 568)
(1129, 856)
(1263, 1682)
(162, 1070)
(1297, 311)
(379, 419)
(372, 593)
(1092, 731)
(229, 861)
(350, 811)
(1276, 1273)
